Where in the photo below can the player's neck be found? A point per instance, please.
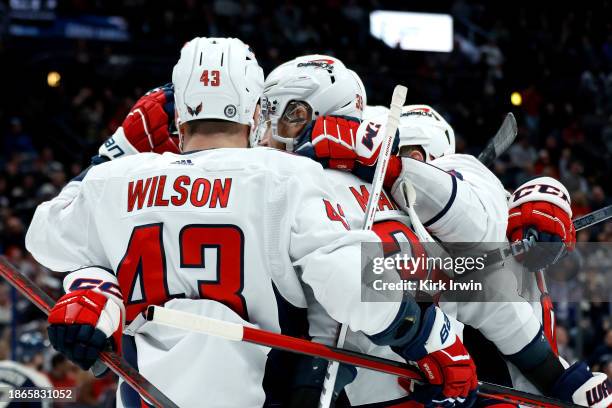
(201, 141)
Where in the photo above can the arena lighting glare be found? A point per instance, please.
(413, 31)
(516, 99)
(53, 79)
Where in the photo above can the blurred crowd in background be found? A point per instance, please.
(558, 60)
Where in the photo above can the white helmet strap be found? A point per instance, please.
(287, 141)
(289, 116)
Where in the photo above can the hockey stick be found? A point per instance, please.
(549, 322)
(593, 218)
(501, 141)
(238, 332)
(397, 101)
(112, 360)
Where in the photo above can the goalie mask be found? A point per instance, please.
(317, 84)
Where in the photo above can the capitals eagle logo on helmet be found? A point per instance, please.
(196, 111)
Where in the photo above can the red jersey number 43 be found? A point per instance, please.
(143, 274)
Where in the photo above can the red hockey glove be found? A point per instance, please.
(344, 143)
(330, 140)
(147, 128)
(439, 353)
(541, 209)
(89, 318)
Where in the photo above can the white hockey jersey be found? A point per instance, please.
(224, 224)
(391, 224)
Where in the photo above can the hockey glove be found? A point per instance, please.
(330, 140)
(439, 353)
(540, 210)
(88, 319)
(582, 387)
(345, 143)
(149, 127)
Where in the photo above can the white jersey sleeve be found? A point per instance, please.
(63, 235)
(369, 387)
(457, 198)
(337, 288)
(353, 194)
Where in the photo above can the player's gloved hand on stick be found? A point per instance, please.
(345, 143)
(540, 210)
(149, 127)
(583, 387)
(432, 343)
(88, 319)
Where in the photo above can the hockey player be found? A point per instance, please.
(460, 200)
(298, 91)
(186, 231)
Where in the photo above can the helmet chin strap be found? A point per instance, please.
(255, 133)
(289, 142)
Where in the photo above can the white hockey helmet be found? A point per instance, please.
(374, 111)
(320, 81)
(217, 78)
(421, 125)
